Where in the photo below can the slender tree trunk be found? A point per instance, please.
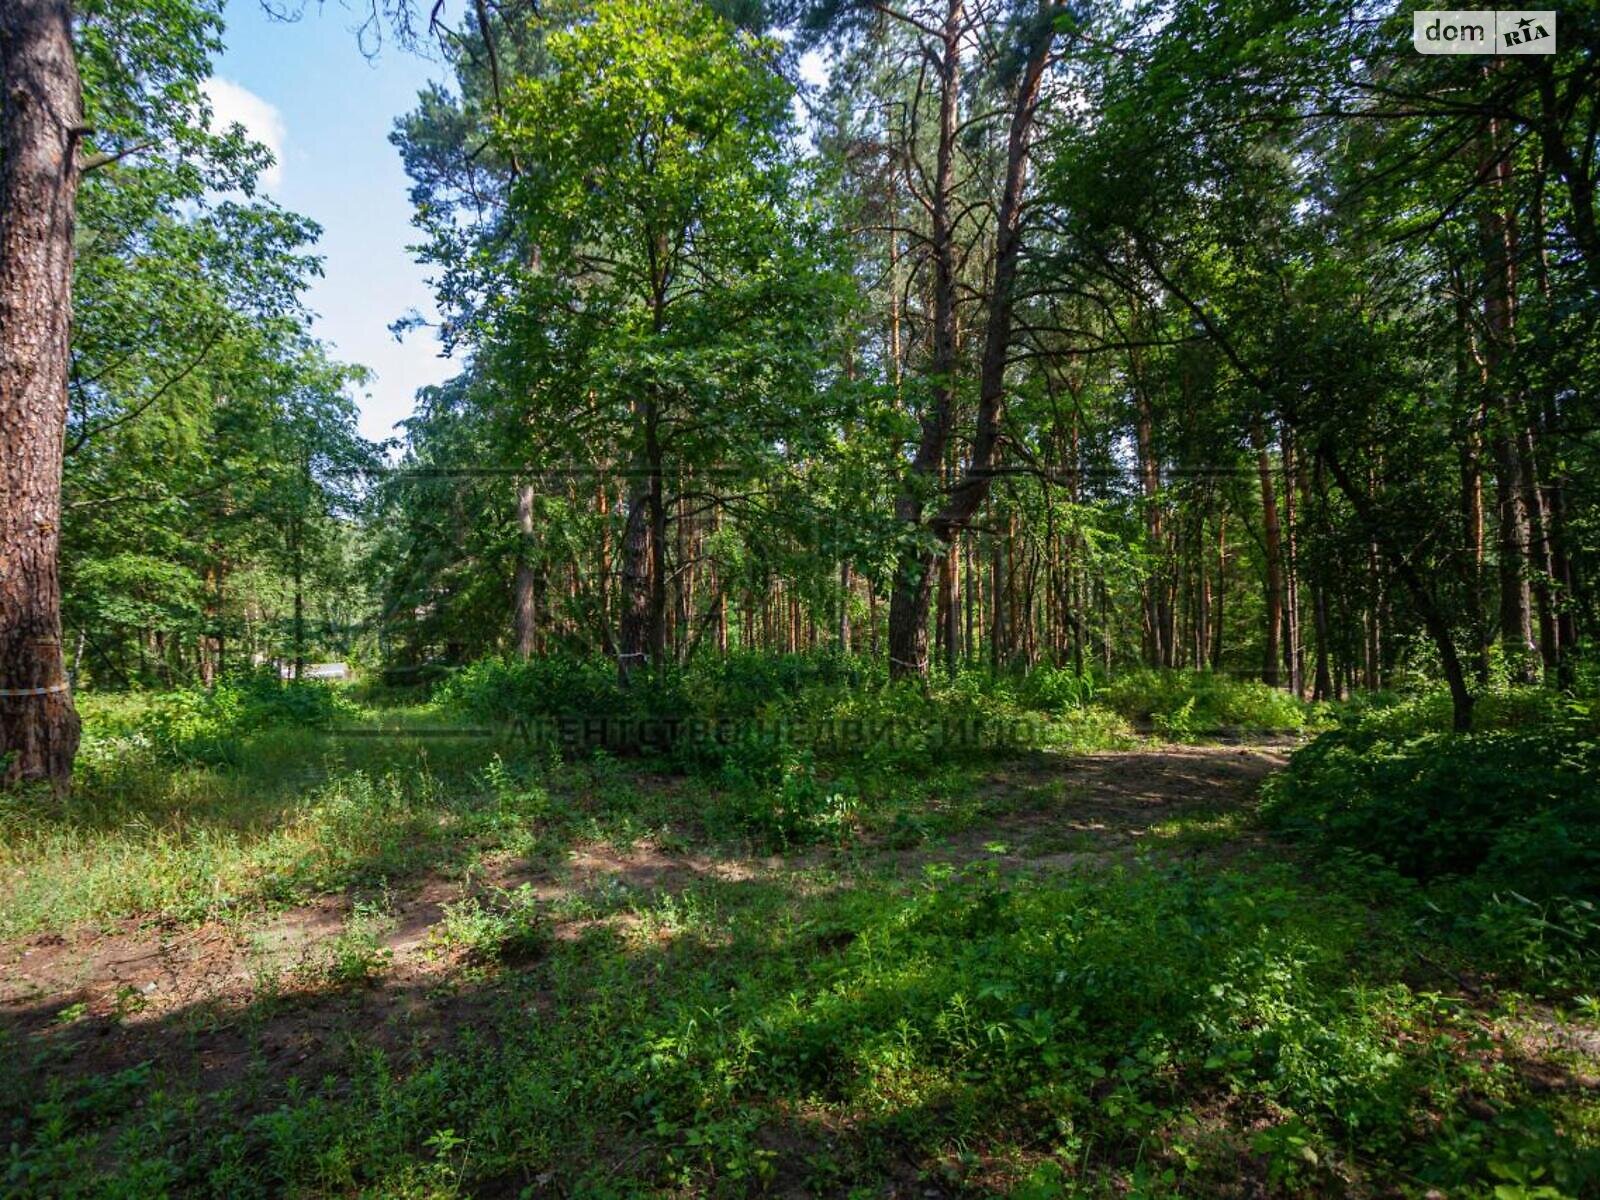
(913, 577)
(1539, 558)
(1293, 652)
(909, 636)
(998, 630)
(1273, 542)
(1541, 498)
(1156, 649)
(969, 588)
(846, 586)
(40, 115)
(222, 617)
(1312, 485)
(1498, 231)
(722, 592)
(1433, 620)
(633, 632)
(527, 617)
(297, 570)
(658, 553)
(1222, 589)
(1202, 593)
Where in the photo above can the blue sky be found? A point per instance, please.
(305, 89)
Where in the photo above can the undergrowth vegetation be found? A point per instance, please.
(1498, 830)
(1186, 704)
(1359, 999)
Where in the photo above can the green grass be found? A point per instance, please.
(196, 804)
(1160, 1028)
(803, 1008)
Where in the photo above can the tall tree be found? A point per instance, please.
(41, 126)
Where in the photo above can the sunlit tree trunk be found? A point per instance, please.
(40, 116)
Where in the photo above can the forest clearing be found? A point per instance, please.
(842, 598)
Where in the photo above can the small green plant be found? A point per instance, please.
(508, 928)
(356, 955)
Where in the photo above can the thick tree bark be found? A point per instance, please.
(40, 117)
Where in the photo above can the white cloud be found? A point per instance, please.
(232, 104)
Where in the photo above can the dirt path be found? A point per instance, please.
(254, 994)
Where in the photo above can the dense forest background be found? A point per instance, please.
(1015, 621)
(1239, 338)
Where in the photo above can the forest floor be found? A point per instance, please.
(208, 1000)
(581, 990)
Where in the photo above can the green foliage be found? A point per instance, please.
(1053, 689)
(796, 740)
(1183, 704)
(1063, 1031)
(356, 957)
(505, 690)
(508, 926)
(1503, 819)
(210, 725)
(1152, 1024)
(211, 451)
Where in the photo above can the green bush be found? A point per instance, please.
(1518, 801)
(199, 725)
(503, 691)
(1183, 704)
(1056, 689)
(841, 708)
(1504, 821)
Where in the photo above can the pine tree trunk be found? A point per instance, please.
(39, 118)
(1274, 553)
(846, 586)
(913, 576)
(909, 634)
(1293, 652)
(1222, 590)
(633, 628)
(1498, 230)
(526, 609)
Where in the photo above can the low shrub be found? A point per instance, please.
(200, 725)
(1056, 689)
(1183, 704)
(1505, 821)
(837, 707)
